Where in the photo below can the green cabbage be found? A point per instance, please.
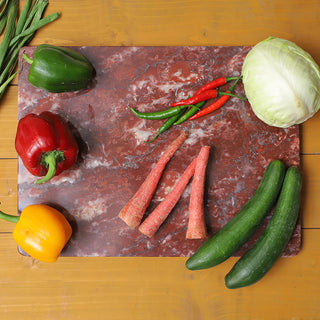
(281, 82)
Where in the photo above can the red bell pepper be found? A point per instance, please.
(45, 145)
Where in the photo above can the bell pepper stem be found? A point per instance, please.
(28, 59)
(50, 160)
(9, 217)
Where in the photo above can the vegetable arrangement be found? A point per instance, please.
(41, 231)
(133, 211)
(189, 109)
(18, 31)
(45, 145)
(44, 142)
(239, 229)
(258, 260)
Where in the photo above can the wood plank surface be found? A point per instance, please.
(162, 288)
(155, 288)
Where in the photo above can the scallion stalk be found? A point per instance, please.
(23, 17)
(10, 29)
(35, 27)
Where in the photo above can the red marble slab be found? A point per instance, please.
(114, 158)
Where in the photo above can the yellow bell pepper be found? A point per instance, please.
(41, 231)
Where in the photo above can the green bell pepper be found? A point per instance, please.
(58, 69)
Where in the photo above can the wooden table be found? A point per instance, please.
(162, 288)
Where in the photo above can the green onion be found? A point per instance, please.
(23, 17)
(4, 85)
(3, 6)
(10, 28)
(37, 26)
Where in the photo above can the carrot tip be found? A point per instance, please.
(197, 235)
(146, 233)
(131, 221)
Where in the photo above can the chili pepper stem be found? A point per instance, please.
(9, 217)
(229, 92)
(234, 84)
(50, 160)
(222, 93)
(28, 59)
(231, 78)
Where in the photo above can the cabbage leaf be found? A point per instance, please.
(281, 82)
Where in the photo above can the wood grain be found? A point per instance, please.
(181, 22)
(154, 288)
(161, 288)
(8, 123)
(8, 191)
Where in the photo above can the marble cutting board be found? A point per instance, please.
(114, 158)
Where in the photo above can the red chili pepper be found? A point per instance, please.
(214, 106)
(45, 145)
(215, 83)
(206, 95)
(217, 104)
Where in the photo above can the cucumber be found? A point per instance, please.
(257, 261)
(237, 231)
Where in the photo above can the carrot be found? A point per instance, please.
(134, 210)
(153, 222)
(196, 225)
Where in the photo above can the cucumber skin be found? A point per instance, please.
(256, 262)
(239, 229)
